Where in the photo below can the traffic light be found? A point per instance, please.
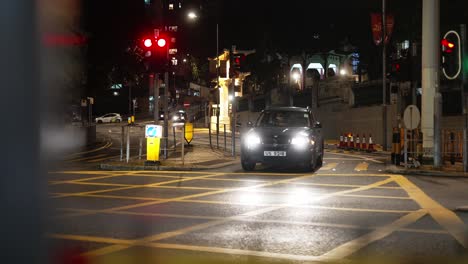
(148, 43)
(451, 55)
(238, 61)
(161, 42)
(399, 70)
(156, 52)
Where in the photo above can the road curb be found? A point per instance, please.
(187, 167)
(428, 173)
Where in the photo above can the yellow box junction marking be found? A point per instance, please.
(329, 166)
(111, 249)
(362, 166)
(443, 216)
(446, 218)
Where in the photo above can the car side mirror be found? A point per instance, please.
(250, 124)
(317, 125)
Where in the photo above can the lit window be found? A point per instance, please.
(171, 6)
(405, 44)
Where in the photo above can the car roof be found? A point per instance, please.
(287, 108)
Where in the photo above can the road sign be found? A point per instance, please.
(153, 131)
(188, 133)
(411, 117)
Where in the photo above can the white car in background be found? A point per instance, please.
(109, 118)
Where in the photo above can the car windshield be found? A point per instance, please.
(283, 119)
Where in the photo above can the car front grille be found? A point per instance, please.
(276, 141)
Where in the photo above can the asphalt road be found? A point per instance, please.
(347, 210)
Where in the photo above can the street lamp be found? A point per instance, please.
(343, 72)
(296, 76)
(192, 15)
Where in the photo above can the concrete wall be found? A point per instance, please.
(340, 118)
(364, 120)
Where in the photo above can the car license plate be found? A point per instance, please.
(274, 153)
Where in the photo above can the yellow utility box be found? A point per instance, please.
(153, 134)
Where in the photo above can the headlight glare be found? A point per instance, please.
(299, 140)
(252, 140)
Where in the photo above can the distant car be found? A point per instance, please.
(283, 136)
(109, 118)
(179, 117)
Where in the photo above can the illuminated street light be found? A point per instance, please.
(230, 97)
(296, 76)
(184, 60)
(343, 72)
(192, 15)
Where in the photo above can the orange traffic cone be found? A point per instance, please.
(351, 142)
(345, 144)
(371, 144)
(363, 144)
(358, 142)
(341, 141)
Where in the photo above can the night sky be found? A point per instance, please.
(284, 26)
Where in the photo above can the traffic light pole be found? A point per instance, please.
(384, 78)
(463, 95)
(156, 98)
(166, 114)
(233, 105)
(218, 101)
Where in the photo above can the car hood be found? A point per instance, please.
(283, 134)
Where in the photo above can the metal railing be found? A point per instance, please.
(226, 137)
(412, 147)
(133, 143)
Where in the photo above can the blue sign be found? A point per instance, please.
(153, 131)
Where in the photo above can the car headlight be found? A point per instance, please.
(252, 140)
(301, 141)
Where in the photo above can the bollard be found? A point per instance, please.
(128, 144)
(183, 145)
(140, 148)
(209, 135)
(224, 125)
(397, 148)
(394, 141)
(174, 135)
(122, 139)
(452, 148)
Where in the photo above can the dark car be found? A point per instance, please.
(283, 136)
(179, 117)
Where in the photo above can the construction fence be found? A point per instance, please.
(407, 147)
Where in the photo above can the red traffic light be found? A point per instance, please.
(161, 43)
(447, 46)
(148, 43)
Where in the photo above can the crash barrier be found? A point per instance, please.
(407, 147)
(452, 146)
(350, 142)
